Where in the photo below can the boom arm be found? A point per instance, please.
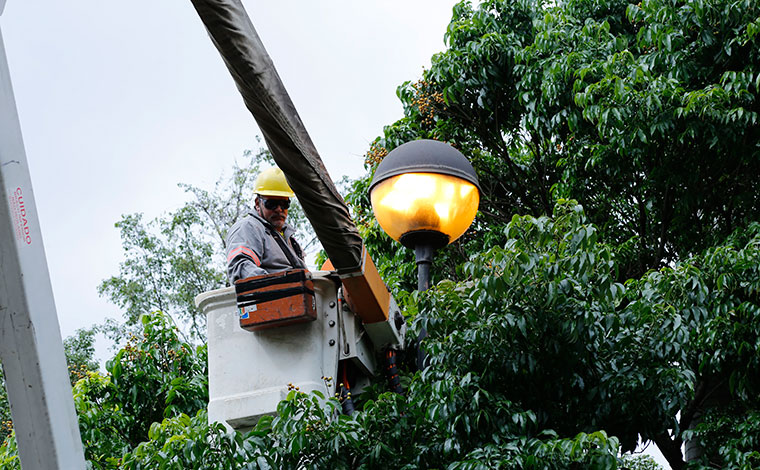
(265, 97)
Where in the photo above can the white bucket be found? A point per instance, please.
(249, 371)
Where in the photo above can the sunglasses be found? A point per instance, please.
(273, 204)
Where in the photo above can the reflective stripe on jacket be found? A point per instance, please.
(253, 251)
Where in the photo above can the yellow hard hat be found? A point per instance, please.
(272, 182)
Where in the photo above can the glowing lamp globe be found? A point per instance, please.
(425, 192)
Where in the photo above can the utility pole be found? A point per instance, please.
(31, 350)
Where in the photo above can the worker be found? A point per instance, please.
(263, 242)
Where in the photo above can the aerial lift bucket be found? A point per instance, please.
(252, 369)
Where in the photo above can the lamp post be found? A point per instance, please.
(425, 195)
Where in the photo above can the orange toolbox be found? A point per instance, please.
(276, 299)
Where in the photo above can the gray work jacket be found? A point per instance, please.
(252, 249)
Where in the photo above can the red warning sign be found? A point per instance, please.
(20, 221)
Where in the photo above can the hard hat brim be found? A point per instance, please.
(271, 192)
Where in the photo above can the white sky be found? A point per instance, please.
(120, 101)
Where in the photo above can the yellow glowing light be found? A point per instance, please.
(425, 201)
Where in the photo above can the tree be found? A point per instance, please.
(80, 353)
(156, 375)
(647, 115)
(639, 462)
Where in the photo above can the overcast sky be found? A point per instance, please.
(120, 101)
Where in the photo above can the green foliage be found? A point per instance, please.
(9, 453)
(308, 433)
(733, 435)
(154, 376)
(182, 442)
(543, 324)
(638, 462)
(80, 353)
(706, 315)
(6, 423)
(537, 313)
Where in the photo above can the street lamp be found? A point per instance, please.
(425, 195)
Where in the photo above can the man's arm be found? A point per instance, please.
(244, 250)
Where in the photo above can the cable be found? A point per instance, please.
(345, 392)
(391, 372)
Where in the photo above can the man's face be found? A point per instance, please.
(273, 209)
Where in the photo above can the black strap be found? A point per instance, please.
(285, 249)
(266, 296)
(285, 277)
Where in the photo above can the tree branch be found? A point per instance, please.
(671, 450)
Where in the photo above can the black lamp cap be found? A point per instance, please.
(430, 238)
(425, 156)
